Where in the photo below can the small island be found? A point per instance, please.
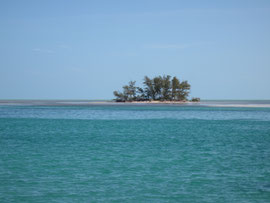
(159, 89)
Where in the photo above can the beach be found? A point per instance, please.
(210, 103)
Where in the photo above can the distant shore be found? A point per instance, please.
(85, 102)
(204, 103)
(158, 102)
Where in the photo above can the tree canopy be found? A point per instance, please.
(161, 88)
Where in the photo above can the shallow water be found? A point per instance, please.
(134, 154)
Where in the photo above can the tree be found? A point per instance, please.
(196, 99)
(183, 91)
(128, 94)
(175, 87)
(149, 88)
(132, 89)
(119, 96)
(158, 84)
(166, 87)
(158, 88)
(129, 91)
(141, 96)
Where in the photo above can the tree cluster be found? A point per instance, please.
(161, 88)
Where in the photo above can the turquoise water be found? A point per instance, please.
(134, 153)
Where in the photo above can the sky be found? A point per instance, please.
(86, 49)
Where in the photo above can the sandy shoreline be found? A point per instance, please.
(145, 103)
(84, 102)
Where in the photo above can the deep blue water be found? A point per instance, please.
(134, 153)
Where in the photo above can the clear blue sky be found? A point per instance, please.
(61, 49)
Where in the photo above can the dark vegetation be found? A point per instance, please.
(196, 99)
(160, 88)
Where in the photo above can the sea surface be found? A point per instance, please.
(134, 153)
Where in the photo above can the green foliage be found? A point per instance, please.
(175, 87)
(130, 90)
(119, 96)
(159, 88)
(166, 88)
(183, 91)
(157, 84)
(149, 88)
(196, 99)
(141, 95)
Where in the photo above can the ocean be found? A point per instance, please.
(134, 153)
